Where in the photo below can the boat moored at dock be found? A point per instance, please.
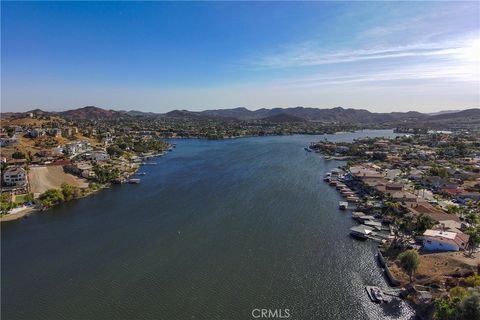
(375, 294)
(342, 205)
(352, 199)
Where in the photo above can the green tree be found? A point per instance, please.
(438, 171)
(29, 197)
(3, 167)
(470, 307)
(409, 260)
(474, 238)
(18, 155)
(472, 217)
(445, 310)
(391, 207)
(458, 293)
(423, 223)
(106, 173)
(453, 209)
(70, 192)
(51, 197)
(10, 131)
(114, 150)
(6, 203)
(473, 280)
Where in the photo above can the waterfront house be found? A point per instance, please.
(394, 186)
(82, 169)
(434, 213)
(466, 196)
(450, 189)
(439, 240)
(17, 162)
(364, 173)
(15, 176)
(450, 225)
(76, 147)
(434, 181)
(403, 197)
(415, 175)
(97, 156)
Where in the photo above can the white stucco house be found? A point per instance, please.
(439, 240)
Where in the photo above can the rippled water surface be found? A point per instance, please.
(215, 230)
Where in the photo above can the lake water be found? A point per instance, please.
(215, 230)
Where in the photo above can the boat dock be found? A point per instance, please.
(379, 295)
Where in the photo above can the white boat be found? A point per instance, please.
(342, 205)
(134, 181)
(340, 186)
(347, 194)
(352, 199)
(375, 294)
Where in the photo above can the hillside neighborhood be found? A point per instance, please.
(46, 160)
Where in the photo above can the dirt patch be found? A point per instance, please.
(438, 267)
(51, 177)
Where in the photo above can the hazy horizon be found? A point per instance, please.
(162, 56)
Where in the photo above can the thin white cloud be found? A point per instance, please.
(453, 72)
(309, 54)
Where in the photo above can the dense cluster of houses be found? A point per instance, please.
(435, 175)
(446, 235)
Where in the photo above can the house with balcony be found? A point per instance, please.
(15, 177)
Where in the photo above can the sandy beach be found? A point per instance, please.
(17, 213)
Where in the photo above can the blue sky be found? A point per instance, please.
(160, 56)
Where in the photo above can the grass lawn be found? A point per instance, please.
(20, 198)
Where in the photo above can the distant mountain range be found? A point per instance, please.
(277, 115)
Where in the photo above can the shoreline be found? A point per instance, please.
(25, 212)
(29, 210)
(18, 215)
